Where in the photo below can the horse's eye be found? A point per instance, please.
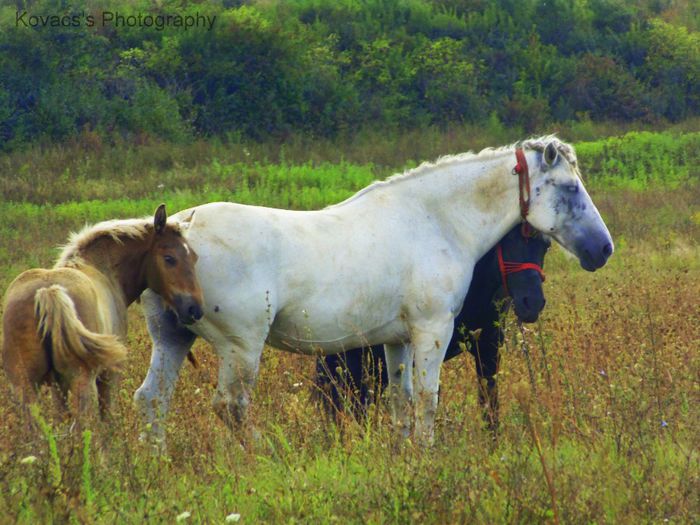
(573, 188)
(170, 260)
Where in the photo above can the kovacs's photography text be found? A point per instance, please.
(115, 19)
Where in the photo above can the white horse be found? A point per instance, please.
(391, 265)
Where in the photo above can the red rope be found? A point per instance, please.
(507, 268)
(523, 173)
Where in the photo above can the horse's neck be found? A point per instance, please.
(476, 200)
(121, 263)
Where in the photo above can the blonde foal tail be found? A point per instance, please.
(72, 344)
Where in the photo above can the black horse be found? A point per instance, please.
(513, 268)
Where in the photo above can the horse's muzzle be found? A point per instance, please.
(188, 309)
(528, 307)
(594, 257)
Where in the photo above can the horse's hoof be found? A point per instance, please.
(153, 439)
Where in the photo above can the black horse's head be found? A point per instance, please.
(520, 263)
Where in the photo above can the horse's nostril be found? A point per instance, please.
(607, 250)
(195, 311)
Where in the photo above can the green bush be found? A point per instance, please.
(328, 68)
(642, 159)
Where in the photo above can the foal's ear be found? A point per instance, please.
(550, 154)
(159, 219)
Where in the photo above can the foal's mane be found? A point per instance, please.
(116, 230)
(535, 143)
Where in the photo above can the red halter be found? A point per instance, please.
(523, 173)
(512, 267)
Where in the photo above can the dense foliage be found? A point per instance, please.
(331, 67)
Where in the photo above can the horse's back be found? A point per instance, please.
(80, 287)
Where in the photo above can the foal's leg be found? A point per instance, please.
(82, 394)
(399, 367)
(171, 344)
(106, 382)
(239, 362)
(23, 388)
(24, 360)
(25, 393)
(430, 341)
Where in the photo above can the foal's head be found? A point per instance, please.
(523, 280)
(169, 269)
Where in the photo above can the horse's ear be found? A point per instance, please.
(550, 154)
(159, 219)
(188, 221)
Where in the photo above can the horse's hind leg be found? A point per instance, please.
(25, 394)
(106, 382)
(82, 394)
(25, 366)
(399, 367)
(23, 389)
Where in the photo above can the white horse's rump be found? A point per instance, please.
(390, 265)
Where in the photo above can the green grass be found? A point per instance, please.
(304, 174)
(617, 426)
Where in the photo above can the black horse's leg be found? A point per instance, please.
(339, 380)
(374, 376)
(327, 377)
(486, 359)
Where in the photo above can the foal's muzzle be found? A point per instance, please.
(187, 308)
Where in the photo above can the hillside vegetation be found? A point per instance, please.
(331, 68)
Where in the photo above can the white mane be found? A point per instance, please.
(537, 144)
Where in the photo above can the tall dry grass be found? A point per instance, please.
(608, 433)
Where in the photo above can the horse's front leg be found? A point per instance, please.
(238, 370)
(430, 341)
(171, 344)
(399, 367)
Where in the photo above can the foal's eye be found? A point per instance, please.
(170, 260)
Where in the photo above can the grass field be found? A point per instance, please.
(609, 434)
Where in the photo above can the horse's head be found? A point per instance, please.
(560, 205)
(169, 269)
(520, 261)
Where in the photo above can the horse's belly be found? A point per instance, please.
(295, 337)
